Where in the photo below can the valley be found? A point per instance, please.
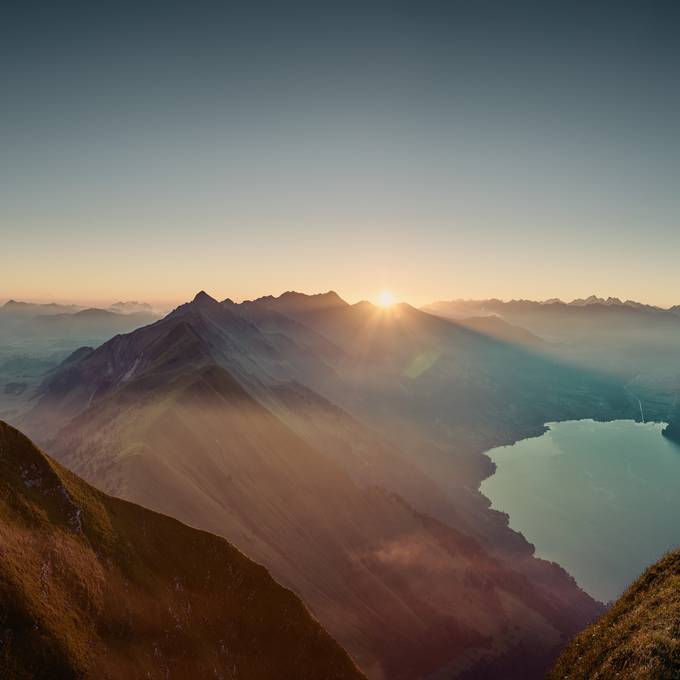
(342, 446)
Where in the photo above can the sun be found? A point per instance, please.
(386, 299)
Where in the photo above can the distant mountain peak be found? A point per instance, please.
(294, 302)
(330, 297)
(590, 300)
(94, 312)
(202, 298)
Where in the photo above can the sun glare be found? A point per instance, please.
(386, 299)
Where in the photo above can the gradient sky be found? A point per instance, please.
(462, 148)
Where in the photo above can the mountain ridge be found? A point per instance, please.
(576, 302)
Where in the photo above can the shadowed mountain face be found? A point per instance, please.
(634, 343)
(92, 586)
(639, 637)
(417, 375)
(586, 320)
(283, 428)
(584, 324)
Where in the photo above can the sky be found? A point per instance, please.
(458, 148)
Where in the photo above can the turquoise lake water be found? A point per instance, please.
(601, 499)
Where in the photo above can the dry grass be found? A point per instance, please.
(639, 637)
(91, 586)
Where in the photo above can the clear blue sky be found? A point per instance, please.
(463, 148)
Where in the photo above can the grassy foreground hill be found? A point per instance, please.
(96, 587)
(639, 637)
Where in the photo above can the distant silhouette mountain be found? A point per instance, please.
(253, 423)
(639, 635)
(631, 342)
(610, 301)
(604, 333)
(16, 307)
(574, 309)
(47, 324)
(130, 306)
(293, 303)
(92, 586)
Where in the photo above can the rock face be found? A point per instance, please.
(639, 637)
(96, 587)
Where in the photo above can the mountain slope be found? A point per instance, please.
(395, 588)
(422, 377)
(634, 343)
(639, 637)
(587, 321)
(92, 586)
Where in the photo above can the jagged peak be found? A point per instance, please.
(330, 297)
(293, 300)
(203, 298)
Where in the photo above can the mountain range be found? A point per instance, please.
(316, 436)
(636, 344)
(45, 325)
(577, 302)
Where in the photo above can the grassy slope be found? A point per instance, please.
(92, 586)
(639, 637)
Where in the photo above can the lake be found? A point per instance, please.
(601, 499)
